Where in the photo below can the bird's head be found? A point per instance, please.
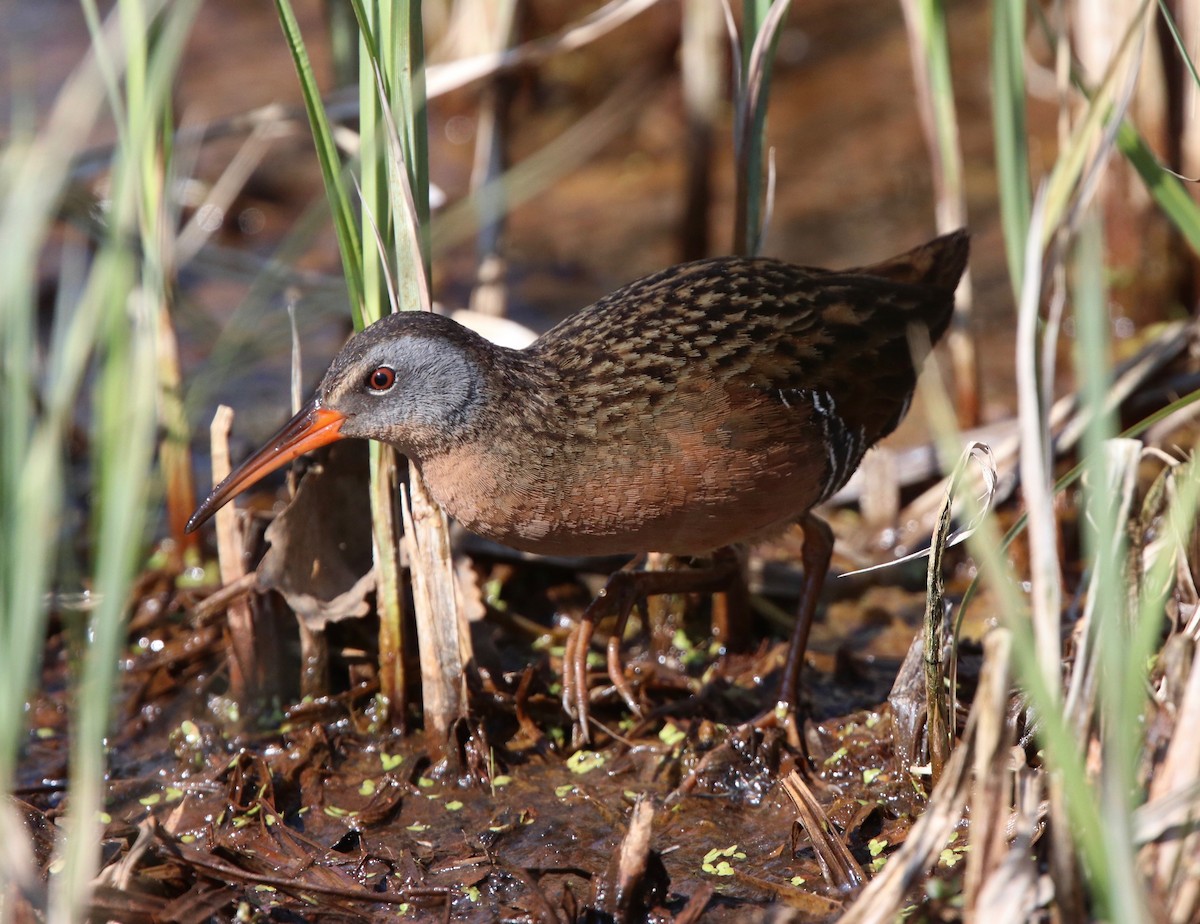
(413, 380)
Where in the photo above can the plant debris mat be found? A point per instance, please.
(319, 812)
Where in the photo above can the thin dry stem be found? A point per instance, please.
(243, 673)
(1034, 464)
(945, 154)
(884, 895)
(992, 793)
(442, 78)
(841, 870)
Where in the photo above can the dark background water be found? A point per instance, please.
(853, 179)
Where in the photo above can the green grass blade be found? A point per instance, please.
(408, 94)
(117, 324)
(1164, 187)
(1012, 138)
(375, 34)
(760, 35)
(336, 189)
(1180, 45)
(1059, 740)
(376, 220)
(1117, 883)
(932, 57)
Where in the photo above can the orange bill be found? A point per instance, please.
(314, 426)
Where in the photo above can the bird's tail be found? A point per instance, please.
(938, 263)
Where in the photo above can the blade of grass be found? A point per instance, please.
(761, 21)
(395, 157)
(336, 189)
(1064, 752)
(1035, 461)
(1166, 188)
(377, 40)
(34, 172)
(929, 49)
(1012, 136)
(367, 281)
(1180, 45)
(442, 636)
(1121, 696)
(129, 288)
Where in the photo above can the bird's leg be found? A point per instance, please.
(623, 590)
(818, 550)
(574, 680)
(731, 607)
(616, 669)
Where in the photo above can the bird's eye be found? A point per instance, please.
(381, 379)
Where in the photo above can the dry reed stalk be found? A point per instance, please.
(1012, 889)
(244, 679)
(443, 637)
(1035, 462)
(884, 895)
(442, 78)
(495, 29)
(991, 795)
(838, 865)
(929, 52)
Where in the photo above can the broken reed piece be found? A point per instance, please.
(243, 665)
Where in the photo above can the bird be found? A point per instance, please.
(706, 406)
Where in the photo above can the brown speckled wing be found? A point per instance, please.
(816, 357)
(706, 404)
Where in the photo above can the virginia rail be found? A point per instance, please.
(708, 404)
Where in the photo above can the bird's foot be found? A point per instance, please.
(618, 596)
(786, 716)
(625, 589)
